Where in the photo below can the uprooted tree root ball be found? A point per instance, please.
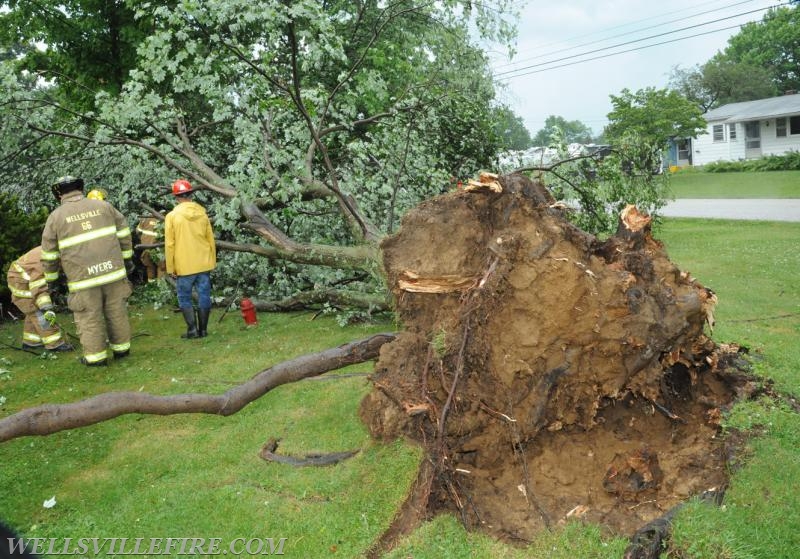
(548, 374)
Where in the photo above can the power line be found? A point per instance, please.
(499, 75)
(616, 26)
(622, 34)
(616, 53)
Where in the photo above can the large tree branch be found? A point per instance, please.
(335, 297)
(362, 256)
(121, 141)
(359, 224)
(191, 154)
(52, 418)
(359, 257)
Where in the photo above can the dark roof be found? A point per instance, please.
(772, 107)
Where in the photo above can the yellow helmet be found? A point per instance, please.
(97, 194)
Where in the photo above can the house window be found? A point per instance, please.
(732, 132)
(780, 127)
(794, 125)
(718, 132)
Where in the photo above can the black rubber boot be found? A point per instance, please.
(101, 363)
(202, 322)
(191, 324)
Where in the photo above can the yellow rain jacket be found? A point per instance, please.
(189, 240)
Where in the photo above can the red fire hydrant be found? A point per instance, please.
(248, 312)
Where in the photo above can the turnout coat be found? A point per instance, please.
(89, 240)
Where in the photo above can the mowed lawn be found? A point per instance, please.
(691, 183)
(200, 476)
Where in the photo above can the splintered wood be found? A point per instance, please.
(410, 281)
(487, 182)
(633, 219)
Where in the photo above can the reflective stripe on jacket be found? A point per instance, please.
(148, 229)
(189, 240)
(26, 279)
(88, 239)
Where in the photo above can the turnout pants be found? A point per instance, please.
(36, 330)
(156, 269)
(101, 316)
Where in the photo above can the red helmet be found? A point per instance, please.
(181, 187)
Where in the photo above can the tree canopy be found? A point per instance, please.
(311, 126)
(720, 81)
(773, 44)
(510, 129)
(557, 128)
(86, 45)
(655, 115)
(760, 61)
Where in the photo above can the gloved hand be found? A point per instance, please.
(129, 267)
(50, 317)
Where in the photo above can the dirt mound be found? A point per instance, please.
(548, 374)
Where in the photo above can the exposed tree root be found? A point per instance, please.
(411, 513)
(268, 453)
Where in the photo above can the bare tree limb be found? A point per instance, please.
(550, 168)
(52, 418)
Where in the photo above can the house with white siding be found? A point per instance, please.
(747, 130)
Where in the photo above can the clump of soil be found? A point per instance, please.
(548, 374)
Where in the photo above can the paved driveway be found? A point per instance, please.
(751, 208)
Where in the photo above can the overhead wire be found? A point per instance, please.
(566, 49)
(519, 71)
(574, 37)
(616, 53)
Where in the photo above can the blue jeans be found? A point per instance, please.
(202, 282)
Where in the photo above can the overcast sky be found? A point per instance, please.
(568, 30)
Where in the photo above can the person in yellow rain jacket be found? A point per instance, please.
(90, 241)
(191, 255)
(29, 292)
(148, 230)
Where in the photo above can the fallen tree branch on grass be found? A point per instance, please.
(52, 418)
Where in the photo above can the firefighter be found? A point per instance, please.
(149, 234)
(29, 292)
(191, 255)
(90, 242)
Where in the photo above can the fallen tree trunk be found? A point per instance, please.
(52, 418)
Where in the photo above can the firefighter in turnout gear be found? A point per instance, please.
(90, 242)
(29, 292)
(149, 234)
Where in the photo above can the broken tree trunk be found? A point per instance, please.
(51, 418)
(535, 356)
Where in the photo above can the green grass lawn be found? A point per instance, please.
(200, 476)
(691, 183)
